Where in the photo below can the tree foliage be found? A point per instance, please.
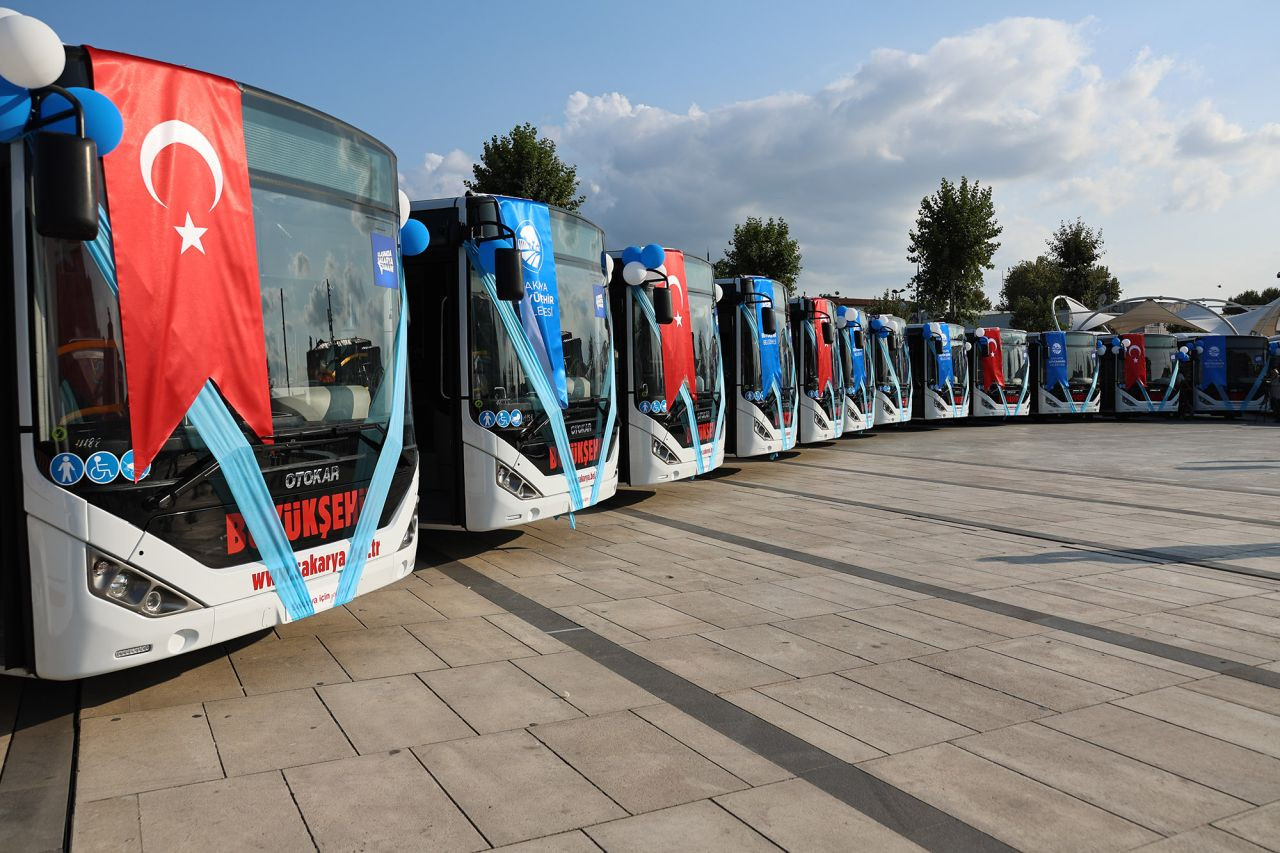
(1070, 268)
(764, 248)
(1254, 297)
(953, 242)
(524, 165)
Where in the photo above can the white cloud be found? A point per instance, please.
(440, 175)
(1016, 104)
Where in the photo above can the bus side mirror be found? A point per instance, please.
(826, 333)
(509, 272)
(662, 306)
(769, 321)
(66, 197)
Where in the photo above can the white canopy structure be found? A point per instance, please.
(1132, 315)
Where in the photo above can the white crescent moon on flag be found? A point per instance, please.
(176, 132)
(673, 281)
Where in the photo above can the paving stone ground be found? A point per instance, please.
(1054, 636)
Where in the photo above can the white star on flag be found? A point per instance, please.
(679, 320)
(190, 235)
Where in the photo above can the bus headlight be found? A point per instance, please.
(760, 429)
(133, 589)
(412, 533)
(666, 454)
(512, 482)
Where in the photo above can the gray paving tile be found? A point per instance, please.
(696, 826)
(386, 713)
(1149, 589)
(514, 788)
(835, 589)
(495, 697)
(803, 726)
(1149, 797)
(709, 743)
(1206, 839)
(197, 677)
(1234, 770)
(460, 642)
(331, 621)
(455, 601)
(1198, 631)
(783, 650)
(922, 627)
(387, 802)
(652, 771)
(856, 638)
(244, 813)
(269, 665)
(1114, 599)
(523, 563)
(1134, 655)
(1112, 671)
(716, 609)
(797, 816)
(651, 619)
(107, 826)
(1260, 825)
(995, 623)
(707, 664)
(274, 730)
(886, 723)
(566, 842)
(1018, 678)
(615, 583)
(784, 601)
(956, 699)
(1187, 580)
(380, 652)
(144, 750)
(1228, 721)
(999, 802)
(585, 684)
(600, 625)
(1247, 693)
(387, 607)
(1056, 605)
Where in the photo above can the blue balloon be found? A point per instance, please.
(652, 256)
(984, 341)
(102, 120)
(15, 106)
(414, 238)
(629, 254)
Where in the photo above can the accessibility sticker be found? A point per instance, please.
(126, 467)
(102, 467)
(504, 419)
(487, 418)
(66, 469)
(517, 417)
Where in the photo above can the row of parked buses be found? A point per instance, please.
(246, 372)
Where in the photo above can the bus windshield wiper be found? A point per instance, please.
(196, 474)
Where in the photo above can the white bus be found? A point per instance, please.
(108, 567)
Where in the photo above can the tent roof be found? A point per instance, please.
(1149, 312)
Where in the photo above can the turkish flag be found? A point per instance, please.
(186, 258)
(677, 336)
(993, 360)
(1135, 361)
(822, 350)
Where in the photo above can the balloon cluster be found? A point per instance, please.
(880, 327)
(985, 344)
(414, 236)
(638, 261)
(31, 57)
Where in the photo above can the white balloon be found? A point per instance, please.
(4, 13)
(30, 52)
(979, 332)
(608, 267)
(1183, 349)
(404, 208)
(1125, 343)
(719, 292)
(1115, 350)
(634, 273)
(842, 320)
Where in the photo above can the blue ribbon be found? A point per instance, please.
(893, 376)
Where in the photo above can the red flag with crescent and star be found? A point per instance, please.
(186, 257)
(993, 360)
(677, 336)
(825, 310)
(1135, 361)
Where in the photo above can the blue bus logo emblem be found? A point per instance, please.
(66, 469)
(530, 246)
(102, 467)
(487, 418)
(504, 419)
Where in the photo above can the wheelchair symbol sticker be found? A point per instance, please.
(126, 467)
(504, 419)
(66, 469)
(102, 467)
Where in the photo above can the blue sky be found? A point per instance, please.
(1155, 121)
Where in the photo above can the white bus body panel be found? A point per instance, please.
(983, 405)
(937, 407)
(1209, 405)
(855, 420)
(748, 442)
(888, 411)
(1051, 405)
(649, 470)
(1126, 404)
(814, 423)
(491, 507)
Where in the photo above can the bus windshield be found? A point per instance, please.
(496, 374)
(1246, 359)
(959, 358)
(1081, 362)
(320, 189)
(706, 355)
(1160, 350)
(1013, 354)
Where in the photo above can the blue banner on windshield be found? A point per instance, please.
(770, 357)
(540, 308)
(946, 370)
(858, 361)
(1055, 365)
(1212, 350)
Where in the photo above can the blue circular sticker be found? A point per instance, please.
(66, 469)
(517, 417)
(126, 467)
(504, 419)
(644, 406)
(487, 418)
(102, 467)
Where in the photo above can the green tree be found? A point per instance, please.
(1076, 249)
(952, 243)
(762, 248)
(1028, 290)
(1253, 297)
(524, 165)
